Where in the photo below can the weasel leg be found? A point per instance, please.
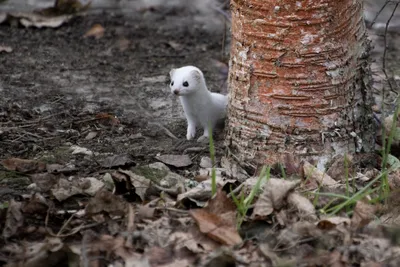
(205, 137)
(191, 130)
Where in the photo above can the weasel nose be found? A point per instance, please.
(176, 92)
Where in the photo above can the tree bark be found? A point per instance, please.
(298, 81)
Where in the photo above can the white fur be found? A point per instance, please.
(202, 108)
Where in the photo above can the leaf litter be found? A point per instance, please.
(89, 207)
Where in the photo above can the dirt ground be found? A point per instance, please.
(55, 81)
(110, 95)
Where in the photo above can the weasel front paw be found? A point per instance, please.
(190, 133)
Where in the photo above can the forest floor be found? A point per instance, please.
(85, 110)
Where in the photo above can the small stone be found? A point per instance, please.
(108, 181)
(175, 160)
(205, 162)
(375, 108)
(91, 135)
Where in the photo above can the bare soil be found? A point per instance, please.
(55, 82)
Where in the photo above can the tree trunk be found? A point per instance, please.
(298, 81)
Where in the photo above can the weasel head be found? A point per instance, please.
(186, 80)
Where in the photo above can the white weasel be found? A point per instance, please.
(202, 107)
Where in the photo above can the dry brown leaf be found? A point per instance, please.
(202, 192)
(320, 177)
(291, 235)
(363, 213)
(37, 204)
(213, 226)
(331, 222)
(201, 178)
(97, 31)
(192, 240)
(106, 118)
(107, 202)
(292, 165)
(117, 161)
(273, 197)
(14, 219)
(87, 185)
(47, 253)
(145, 212)
(394, 180)
(44, 181)
(218, 220)
(233, 170)
(303, 205)
(175, 160)
(337, 170)
(23, 165)
(159, 256)
(140, 183)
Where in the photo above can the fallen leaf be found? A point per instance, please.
(323, 179)
(14, 219)
(36, 205)
(65, 7)
(193, 240)
(91, 135)
(218, 220)
(140, 183)
(108, 118)
(97, 31)
(303, 205)
(332, 222)
(5, 48)
(46, 253)
(175, 160)
(363, 213)
(77, 150)
(107, 202)
(291, 235)
(23, 165)
(93, 187)
(233, 170)
(145, 212)
(117, 161)
(292, 165)
(176, 46)
(200, 194)
(44, 181)
(201, 178)
(273, 197)
(65, 189)
(38, 21)
(87, 185)
(337, 170)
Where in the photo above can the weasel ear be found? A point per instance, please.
(196, 75)
(171, 73)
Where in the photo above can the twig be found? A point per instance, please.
(386, 46)
(377, 14)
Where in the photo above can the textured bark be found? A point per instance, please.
(298, 81)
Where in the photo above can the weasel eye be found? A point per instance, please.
(172, 83)
(186, 84)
